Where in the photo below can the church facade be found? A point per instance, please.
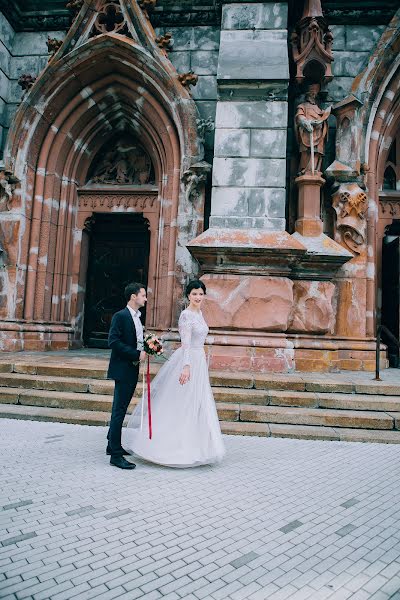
(253, 144)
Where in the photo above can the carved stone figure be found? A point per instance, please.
(53, 45)
(26, 81)
(125, 163)
(204, 125)
(350, 203)
(311, 124)
(165, 42)
(8, 182)
(188, 79)
(194, 179)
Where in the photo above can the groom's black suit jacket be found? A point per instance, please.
(123, 343)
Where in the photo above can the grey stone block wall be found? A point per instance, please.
(352, 48)
(7, 35)
(20, 53)
(196, 49)
(249, 168)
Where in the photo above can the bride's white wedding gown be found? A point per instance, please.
(185, 426)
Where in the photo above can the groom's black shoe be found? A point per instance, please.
(123, 452)
(121, 463)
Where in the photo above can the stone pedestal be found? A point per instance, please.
(309, 222)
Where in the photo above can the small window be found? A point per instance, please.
(389, 179)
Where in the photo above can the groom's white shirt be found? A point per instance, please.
(135, 314)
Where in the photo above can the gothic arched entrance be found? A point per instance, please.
(100, 87)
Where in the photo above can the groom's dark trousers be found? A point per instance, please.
(123, 343)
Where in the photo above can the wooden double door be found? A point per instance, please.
(119, 248)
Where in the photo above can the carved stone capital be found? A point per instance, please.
(8, 182)
(350, 204)
(194, 179)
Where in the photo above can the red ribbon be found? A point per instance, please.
(149, 396)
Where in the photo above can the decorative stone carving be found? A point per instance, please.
(53, 45)
(311, 125)
(92, 201)
(389, 208)
(312, 45)
(312, 307)
(188, 79)
(188, 15)
(110, 18)
(74, 6)
(346, 166)
(124, 163)
(8, 182)
(26, 81)
(351, 204)
(147, 6)
(194, 179)
(165, 42)
(204, 125)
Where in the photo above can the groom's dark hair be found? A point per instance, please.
(133, 288)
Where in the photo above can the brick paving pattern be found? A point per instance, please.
(279, 518)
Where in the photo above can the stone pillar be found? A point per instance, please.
(309, 222)
(249, 167)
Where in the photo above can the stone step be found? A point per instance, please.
(301, 382)
(235, 395)
(99, 418)
(86, 402)
(316, 416)
(227, 411)
(308, 432)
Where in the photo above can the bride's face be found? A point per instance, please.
(196, 298)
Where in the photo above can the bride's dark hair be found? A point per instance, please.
(195, 284)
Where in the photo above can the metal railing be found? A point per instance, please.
(392, 338)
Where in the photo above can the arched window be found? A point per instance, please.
(391, 176)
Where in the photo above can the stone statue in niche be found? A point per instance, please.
(125, 163)
(311, 125)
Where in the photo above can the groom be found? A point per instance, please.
(126, 342)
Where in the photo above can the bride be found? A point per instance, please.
(185, 425)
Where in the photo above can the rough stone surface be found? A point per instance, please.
(262, 15)
(313, 310)
(259, 303)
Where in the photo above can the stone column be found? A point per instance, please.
(249, 166)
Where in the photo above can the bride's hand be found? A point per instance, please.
(185, 375)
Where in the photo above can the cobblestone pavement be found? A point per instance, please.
(277, 519)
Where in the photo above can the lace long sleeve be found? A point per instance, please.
(185, 331)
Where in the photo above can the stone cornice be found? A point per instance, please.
(20, 20)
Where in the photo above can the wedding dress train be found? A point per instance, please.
(185, 426)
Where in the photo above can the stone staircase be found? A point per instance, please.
(348, 406)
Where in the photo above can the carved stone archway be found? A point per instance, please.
(96, 86)
(378, 121)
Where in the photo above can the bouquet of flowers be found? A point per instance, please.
(152, 345)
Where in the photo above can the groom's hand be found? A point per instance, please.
(142, 356)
